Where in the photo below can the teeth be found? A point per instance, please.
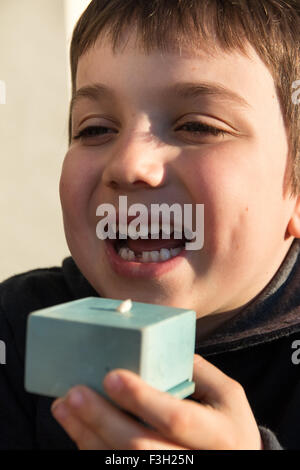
(146, 257)
(127, 254)
(175, 251)
(165, 254)
(154, 256)
(124, 253)
(154, 231)
(130, 255)
(150, 256)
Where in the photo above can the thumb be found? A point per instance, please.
(210, 382)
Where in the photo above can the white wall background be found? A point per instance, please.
(73, 10)
(34, 40)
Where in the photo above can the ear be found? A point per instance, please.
(293, 228)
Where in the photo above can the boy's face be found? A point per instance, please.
(149, 156)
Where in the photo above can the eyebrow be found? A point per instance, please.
(186, 90)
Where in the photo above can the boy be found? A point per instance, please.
(187, 102)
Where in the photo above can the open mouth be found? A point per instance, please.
(147, 258)
(149, 250)
(159, 245)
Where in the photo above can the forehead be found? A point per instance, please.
(245, 76)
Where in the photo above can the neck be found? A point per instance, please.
(208, 324)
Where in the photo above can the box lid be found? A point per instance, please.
(102, 311)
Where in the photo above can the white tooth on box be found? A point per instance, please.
(125, 307)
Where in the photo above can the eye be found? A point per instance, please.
(201, 128)
(92, 131)
(194, 128)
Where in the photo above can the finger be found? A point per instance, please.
(179, 421)
(212, 386)
(111, 425)
(83, 437)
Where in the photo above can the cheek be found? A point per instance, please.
(230, 182)
(78, 180)
(217, 180)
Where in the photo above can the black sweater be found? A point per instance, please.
(254, 348)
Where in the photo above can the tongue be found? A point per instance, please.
(152, 245)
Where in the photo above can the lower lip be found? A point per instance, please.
(141, 270)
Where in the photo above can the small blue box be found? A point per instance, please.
(79, 342)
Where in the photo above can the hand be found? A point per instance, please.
(221, 420)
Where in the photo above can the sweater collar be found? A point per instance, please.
(274, 313)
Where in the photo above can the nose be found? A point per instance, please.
(137, 160)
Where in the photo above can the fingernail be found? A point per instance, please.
(113, 382)
(56, 403)
(60, 410)
(75, 398)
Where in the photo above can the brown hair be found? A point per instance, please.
(272, 27)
